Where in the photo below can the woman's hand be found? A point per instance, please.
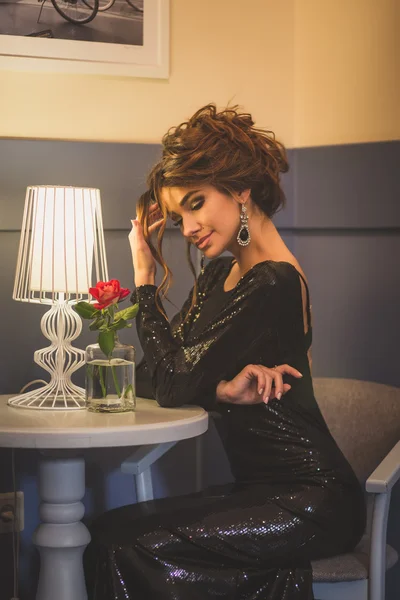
(144, 264)
(253, 385)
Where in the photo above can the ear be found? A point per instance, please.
(244, 196)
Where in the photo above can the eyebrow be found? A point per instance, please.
(185, 199)
(187, 196)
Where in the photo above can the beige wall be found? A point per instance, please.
(219, 53)
(315, 71)
(346, 71)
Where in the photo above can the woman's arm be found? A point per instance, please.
(144, 387)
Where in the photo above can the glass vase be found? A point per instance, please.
(110, 382)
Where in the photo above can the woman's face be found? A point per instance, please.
(204, 212)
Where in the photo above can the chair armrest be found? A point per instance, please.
(386, 473)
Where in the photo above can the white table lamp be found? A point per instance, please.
(61, 254)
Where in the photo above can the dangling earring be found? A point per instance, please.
(243, 237)
(202, 264)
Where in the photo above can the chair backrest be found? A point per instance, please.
(363, 417)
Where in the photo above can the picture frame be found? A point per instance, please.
(19, 53)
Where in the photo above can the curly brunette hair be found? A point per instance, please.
(222, 149)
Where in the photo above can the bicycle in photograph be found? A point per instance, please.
(74, 11)
(81, 12)
(106, 4)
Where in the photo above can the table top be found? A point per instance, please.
(149, 424)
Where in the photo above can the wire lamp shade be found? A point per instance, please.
(61, 255)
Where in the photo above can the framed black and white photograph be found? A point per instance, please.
(111, 37)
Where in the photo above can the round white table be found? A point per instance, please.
(62, 537)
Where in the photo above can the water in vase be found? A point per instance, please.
(110, 383)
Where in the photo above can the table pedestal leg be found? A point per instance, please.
(61, 537)
(139, 464)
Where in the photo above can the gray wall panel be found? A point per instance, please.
(357, 185)
(119, 170)
(355, 295)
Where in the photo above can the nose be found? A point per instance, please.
(190, 226)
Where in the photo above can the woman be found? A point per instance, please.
(295, 497)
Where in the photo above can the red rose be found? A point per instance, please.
(108, 292)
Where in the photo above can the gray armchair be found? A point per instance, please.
(364, 419)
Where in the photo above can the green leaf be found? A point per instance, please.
(107, 342)
(97, 324)
(120, 324)
(127, 313)
(85, 310)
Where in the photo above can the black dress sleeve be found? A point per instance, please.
(143, 384)
(144, 387)
(188, 372)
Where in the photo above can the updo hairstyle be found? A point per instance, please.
(222, 149)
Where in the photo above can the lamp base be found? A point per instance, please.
(60, 325)
(47, 397)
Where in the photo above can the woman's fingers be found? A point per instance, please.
(138, 231)
(154, 226)
(153, 206)
(265, 388)
(254, 385)
(288, 369)
(278, 391)
(273, 377)
(266, 379)
(155, 218)
(263, 380)
(154, 210)
(286, 388)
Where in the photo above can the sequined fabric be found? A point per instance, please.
(295, 497)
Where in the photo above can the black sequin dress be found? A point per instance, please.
(295, 497)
